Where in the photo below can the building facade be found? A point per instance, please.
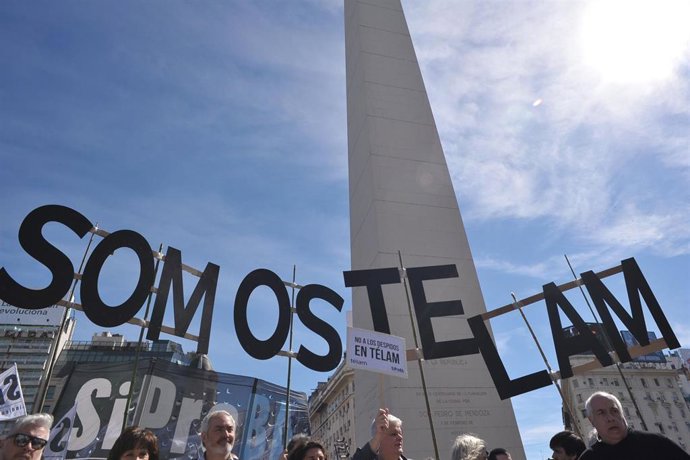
(680, 358)
(108, 347)
(29, 338)
(332, 414)
(653, 386)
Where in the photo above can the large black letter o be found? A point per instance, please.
(96, 310)
(260, 349)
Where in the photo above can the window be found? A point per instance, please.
(655, 409)
(644, 382)
(656, 382)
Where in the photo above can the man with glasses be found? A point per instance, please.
(27, 438)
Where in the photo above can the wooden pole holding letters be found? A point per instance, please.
(548, 367)
(293, 287)
(125, 417)
(419, 359)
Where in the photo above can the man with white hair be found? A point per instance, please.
(27, 438)
(387, 439)
(617, 441)
(217, 435)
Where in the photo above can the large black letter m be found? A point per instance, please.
(637, 287)
(206, 287)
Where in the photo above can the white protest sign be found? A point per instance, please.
(376, 352)
(11, 397)
(60, 435)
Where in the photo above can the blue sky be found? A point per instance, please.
(220, 129)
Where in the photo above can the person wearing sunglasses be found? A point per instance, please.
(27, 438)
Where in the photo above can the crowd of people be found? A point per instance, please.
(29, 436)
(614, 440)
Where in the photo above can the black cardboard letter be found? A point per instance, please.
(636, 284)
(313, 361)
(262, 349)
(32, 241)
(373, 279)
(424, 311)
(506, 387)
(96, 310)
(206, 287)
(566, 347)
(601, 296)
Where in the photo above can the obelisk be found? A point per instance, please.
(402, 199)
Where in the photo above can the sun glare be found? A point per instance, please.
(631, 41)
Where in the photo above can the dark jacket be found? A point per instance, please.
(637, 445)
(365, 453)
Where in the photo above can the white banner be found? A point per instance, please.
(11, 397)
(60, 435)
(51, 316)
(376, 352)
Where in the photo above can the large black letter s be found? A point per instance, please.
(31, 239)
(330, 360)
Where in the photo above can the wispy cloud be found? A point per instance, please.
(538, 270)
(572, 162)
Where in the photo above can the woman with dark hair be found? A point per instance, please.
(135, 443)
(310, 450)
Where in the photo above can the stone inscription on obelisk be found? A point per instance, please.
(402, 199)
